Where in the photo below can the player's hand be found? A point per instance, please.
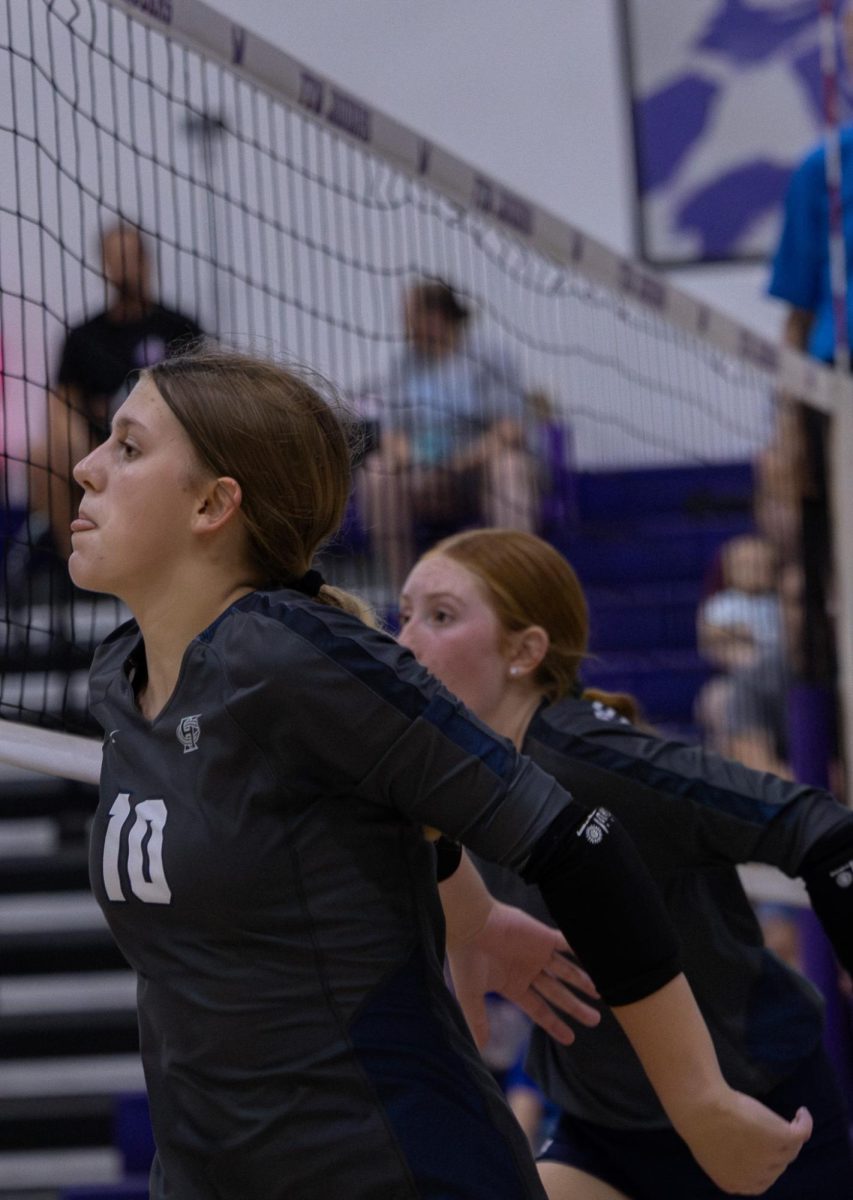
(742, 1145)
(525, 961)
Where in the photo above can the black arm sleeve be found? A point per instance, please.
(606, 904)
(827, 871)
(448, 855)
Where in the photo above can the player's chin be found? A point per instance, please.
(83, 573)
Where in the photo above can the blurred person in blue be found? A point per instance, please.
(800, 273)
(795, 472)
(452, 448)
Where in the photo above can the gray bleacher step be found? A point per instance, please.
(68, 993)
(55, 912)
(28, 835)
(56, 1119)
(70, 1076)
(55, 933)
(28, 1171)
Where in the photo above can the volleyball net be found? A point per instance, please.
(502, 367)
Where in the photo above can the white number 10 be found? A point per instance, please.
(149, 817)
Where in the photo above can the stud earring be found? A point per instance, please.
(513, 671)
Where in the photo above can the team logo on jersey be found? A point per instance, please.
(596, 825)
(843, 876)
(110, 737)
(188, 732)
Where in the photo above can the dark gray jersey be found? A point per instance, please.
(258, 853)
(693, 816)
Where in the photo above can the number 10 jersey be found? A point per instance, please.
(258, 854)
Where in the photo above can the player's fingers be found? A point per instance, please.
(802, 1127)
(564, 999)
(572, 973)
(791, 1137)
(543, 1015)
(791, 1140)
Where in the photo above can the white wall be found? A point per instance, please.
(534, 93)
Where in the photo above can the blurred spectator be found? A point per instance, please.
(781, 930)
(529, 1105)
(451, 445)
(98, 360)
(742, 629)
(780, 476)
(747, 630)
(742, 621)
(801, 277)
(801, 266)
(748, 716)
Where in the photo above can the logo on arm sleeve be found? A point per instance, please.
(596, 825)
(843, 875)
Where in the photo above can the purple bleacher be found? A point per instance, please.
(646, 491)
(135, 1142)
(665, 682)
(631, 554)
(132, 1131)
(127, 1189)
(352, 537)
(558, 512)
(642, 542)
(649, 615)
(642, 547)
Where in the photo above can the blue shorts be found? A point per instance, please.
(649, 1164)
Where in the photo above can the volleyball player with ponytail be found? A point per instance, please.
(269, 764)
(500, 618)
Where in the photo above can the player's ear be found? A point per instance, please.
(527, 649)
(218, 503)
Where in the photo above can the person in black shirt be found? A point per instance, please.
(269, 764)
(500, 618)
(99, 359)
